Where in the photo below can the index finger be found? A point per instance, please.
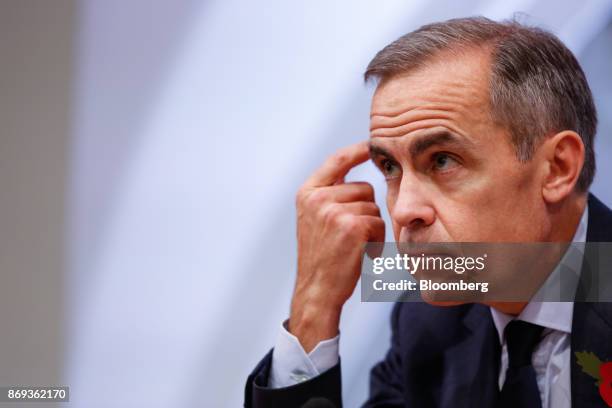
(339, 164)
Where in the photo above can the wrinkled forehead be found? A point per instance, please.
(451, 83)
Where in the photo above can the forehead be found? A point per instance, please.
(452, 87)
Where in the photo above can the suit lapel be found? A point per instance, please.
(592, 322)
(592, 332)
(472, 371)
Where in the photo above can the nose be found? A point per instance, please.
(412, 208)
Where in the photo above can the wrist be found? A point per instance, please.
(312, 324)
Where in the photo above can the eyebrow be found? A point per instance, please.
(422, 143)
(376, 150)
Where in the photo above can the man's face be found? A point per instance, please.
(452, 173)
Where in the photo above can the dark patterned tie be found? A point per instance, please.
(520, 389)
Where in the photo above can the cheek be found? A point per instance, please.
(483, 212)
(496, 217)
(501, 204)
(515, 209)
(462, 223)
(391, 197)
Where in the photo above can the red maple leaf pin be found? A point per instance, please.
(602, 372)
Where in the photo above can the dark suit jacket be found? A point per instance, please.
(449, 356)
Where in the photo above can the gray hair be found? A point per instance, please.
(537, 87)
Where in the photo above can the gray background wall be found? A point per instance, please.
(36, 75)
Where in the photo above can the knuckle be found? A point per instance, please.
(377, 227)
(349, 223)
(374, 208)
(367, 187)
(316, 198)
(364, 189)
(332, 211)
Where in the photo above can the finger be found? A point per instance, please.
(357, 208)
(353, 191)
(338, 165)
(376, 236)
(376, 228)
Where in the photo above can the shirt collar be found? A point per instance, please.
(551, 315)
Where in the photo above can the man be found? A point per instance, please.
(484, 132)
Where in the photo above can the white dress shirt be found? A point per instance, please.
(551, 358)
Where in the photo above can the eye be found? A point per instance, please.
(389, 168)
(443, 162)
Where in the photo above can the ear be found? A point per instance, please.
(564, 156)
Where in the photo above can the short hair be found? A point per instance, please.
(536, 88)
